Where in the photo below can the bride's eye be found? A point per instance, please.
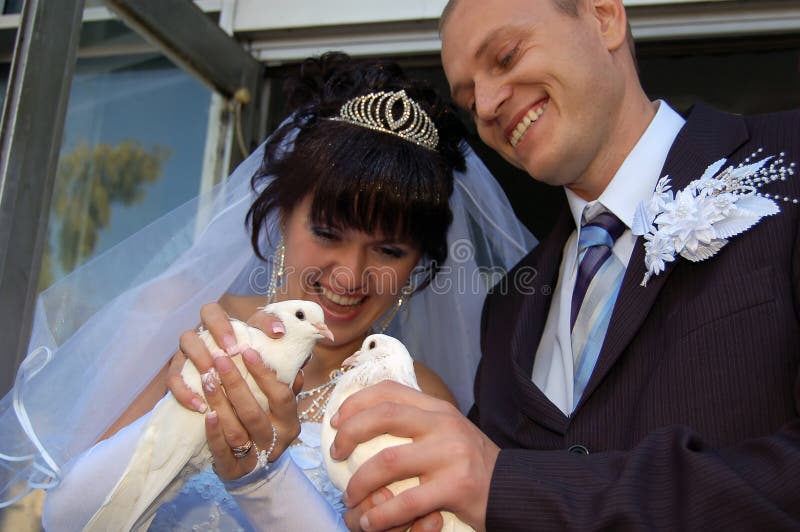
(392, 251)
(324, 233)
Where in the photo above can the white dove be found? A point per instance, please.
(380, 358)
(173, 444)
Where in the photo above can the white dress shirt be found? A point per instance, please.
(634, 182)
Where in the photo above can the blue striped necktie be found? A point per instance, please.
(597, 284)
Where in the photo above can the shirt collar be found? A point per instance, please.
(636, 179)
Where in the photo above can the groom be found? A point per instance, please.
(602, 403)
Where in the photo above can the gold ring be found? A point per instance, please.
(242, 450)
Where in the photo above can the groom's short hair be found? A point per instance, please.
(570, 7)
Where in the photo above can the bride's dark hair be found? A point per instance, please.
(359, 178)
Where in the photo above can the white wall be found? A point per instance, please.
(259, 15)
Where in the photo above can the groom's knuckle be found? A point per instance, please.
(388, 409)
(389, 458)
(409, 501)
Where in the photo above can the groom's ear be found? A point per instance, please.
(612, 21)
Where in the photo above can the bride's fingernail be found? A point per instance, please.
(278, 328)
(223, 364)
(228, 341)
(218, 353)
(378, 498)
(364, 522)
(335, 420)
(199, 405)
(251, 355)
(212, 417)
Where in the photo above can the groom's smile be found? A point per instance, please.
(519, 127)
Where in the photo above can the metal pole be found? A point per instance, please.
(30, 140)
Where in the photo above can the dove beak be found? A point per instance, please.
(324, 331)
(352, 360)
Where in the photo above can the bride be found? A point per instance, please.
(366, 201)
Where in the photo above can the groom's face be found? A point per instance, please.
(539, 82)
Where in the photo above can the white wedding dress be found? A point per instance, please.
(257, 502)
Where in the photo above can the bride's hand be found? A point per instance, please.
(237, 420)
(215, 320)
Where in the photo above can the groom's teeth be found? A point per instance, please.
(530, 117)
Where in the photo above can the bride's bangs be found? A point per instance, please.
(381, 184)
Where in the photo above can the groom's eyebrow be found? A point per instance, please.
(491, 36)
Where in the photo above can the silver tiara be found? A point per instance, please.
(376, 111)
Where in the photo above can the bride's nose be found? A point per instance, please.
(348, 271)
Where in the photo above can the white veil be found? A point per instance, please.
(103, 332)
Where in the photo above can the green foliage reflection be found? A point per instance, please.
(89, 180)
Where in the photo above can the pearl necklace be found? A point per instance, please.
(319, 395)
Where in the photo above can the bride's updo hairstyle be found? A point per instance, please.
(360, 179)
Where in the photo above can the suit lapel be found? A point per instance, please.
(707, 136)
(531, 312)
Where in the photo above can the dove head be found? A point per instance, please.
(381, 354)
(305, 325)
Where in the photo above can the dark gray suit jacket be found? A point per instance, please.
(690, 420)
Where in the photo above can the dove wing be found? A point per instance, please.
(172, 436)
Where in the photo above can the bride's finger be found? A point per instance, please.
(232, 428)
(282, 401)
(249, 413)
(226, 465)
(218, 323)
(193, 348)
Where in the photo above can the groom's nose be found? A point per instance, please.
(490, 94)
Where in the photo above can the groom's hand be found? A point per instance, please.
(453, 459)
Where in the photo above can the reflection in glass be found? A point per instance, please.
(132, 150)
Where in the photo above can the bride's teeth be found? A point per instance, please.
(340, 300)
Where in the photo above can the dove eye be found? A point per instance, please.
(372, 344)
(300, 315)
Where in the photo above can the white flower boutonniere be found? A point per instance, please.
(697, 222)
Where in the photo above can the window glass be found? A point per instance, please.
(12, 6)
(132, 150)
